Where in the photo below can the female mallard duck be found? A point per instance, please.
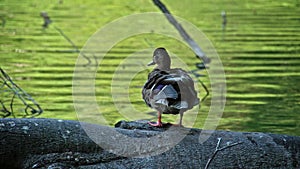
(169, 91)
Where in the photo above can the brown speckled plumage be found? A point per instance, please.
(169, 91)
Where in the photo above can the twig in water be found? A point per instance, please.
(74, 46)
(46, 18)
(196, 48)
(224, 20)
(47, 21)
(219, 149)
(202, 84)
(207, 92)
(16, 91)
(224, 23)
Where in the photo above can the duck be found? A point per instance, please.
(168, 90)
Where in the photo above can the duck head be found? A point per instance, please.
(161, 58)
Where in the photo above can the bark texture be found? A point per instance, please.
(52, 143)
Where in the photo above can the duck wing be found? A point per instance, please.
(185, 86)
(170, 91)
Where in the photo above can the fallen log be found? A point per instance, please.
(52, 143)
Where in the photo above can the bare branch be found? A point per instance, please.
(219, 149)
(196, 48)
(10, 89)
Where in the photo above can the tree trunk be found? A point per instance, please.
(51, 143)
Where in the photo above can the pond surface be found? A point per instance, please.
(260, 52)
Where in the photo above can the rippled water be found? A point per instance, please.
(260, 51)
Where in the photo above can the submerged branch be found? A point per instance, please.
(9, 89)
(196, 48)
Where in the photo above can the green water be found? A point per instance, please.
(260, 52)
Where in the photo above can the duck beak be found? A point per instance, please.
(151, 63)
